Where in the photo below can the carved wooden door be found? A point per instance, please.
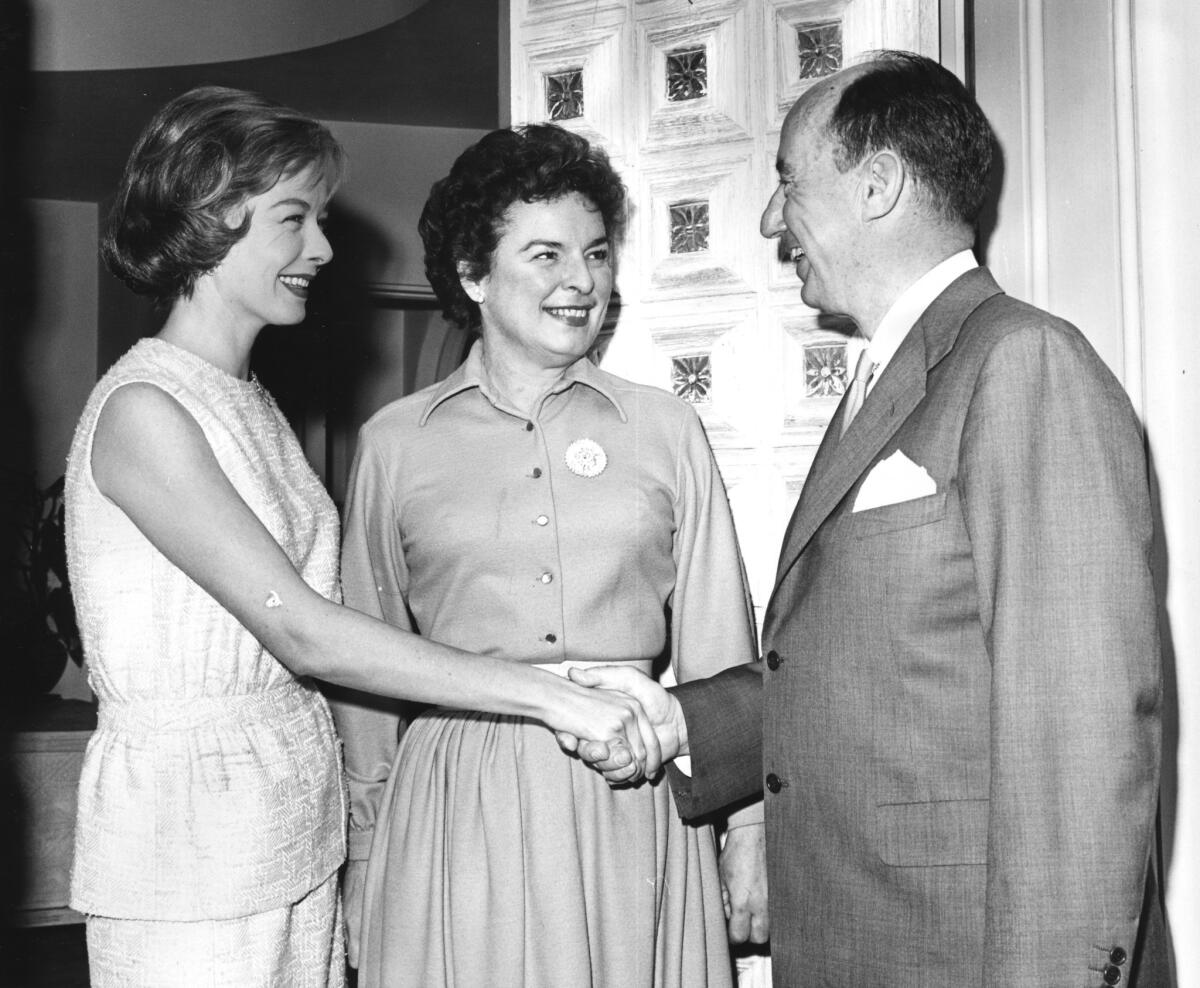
(688, 97)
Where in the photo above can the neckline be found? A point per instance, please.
(251, 385)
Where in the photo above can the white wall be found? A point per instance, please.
(1045, 76)
(1094, 102)
(1168, 144)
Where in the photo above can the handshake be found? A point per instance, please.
(652, 731)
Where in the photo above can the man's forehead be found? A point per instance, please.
(800, 133)
(803, 125)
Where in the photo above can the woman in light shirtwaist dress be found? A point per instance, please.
(533, 507)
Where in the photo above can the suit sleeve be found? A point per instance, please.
(725, 739)
(374, 581)
(1054, 486)
(712, 619)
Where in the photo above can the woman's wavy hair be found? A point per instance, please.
(201, 156)
(463, 219)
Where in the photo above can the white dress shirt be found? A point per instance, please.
(910, 306)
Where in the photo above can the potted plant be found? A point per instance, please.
(37, 615)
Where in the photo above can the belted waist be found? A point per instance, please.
(643, 665)
(170, 715)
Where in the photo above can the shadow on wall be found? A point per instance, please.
(359, 348)
(16, 313)
(989, 217)
(305, 366)
(1169, 781)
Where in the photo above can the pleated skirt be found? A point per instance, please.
(499, 861)
(296, 946)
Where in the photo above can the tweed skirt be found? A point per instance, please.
(498, 860)
(297, 946)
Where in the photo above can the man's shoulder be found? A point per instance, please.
(1014, 325)
(1002, 314)
(1030, 347)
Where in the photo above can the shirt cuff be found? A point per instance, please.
(745, 816)
(684, 764)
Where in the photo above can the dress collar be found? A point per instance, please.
(471, 374)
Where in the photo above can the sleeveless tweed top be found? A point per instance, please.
(212, 787)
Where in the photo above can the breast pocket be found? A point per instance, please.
(898, 517)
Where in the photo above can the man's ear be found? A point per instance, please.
(885, 179)
(472, 286)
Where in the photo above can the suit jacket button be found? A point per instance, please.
(774, 782)
(773, 660)
(1112, 975)
(1118, 956)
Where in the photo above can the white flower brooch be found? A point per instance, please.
(585, 458)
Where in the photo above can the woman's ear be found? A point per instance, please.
(235, 216)
(472, 286)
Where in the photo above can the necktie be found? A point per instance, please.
(858, 389)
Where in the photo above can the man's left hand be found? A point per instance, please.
(744, 884)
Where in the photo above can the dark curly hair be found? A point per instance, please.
(920, 110)
(203, 154)
(463, 218)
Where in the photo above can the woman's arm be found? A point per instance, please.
(713, 628)
(151, 459)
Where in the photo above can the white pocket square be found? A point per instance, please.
(892, 481)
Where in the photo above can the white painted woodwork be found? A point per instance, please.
(734, 302)
(1094, 102)
(1161, 36)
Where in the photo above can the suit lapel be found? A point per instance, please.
(839, 464)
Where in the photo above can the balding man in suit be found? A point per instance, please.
(957, 716)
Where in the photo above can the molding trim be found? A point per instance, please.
(400, 292)
(1037, 257)
(952, 38)
(1133, 334)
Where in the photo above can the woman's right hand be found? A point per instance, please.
(660, 714)
(616, 719)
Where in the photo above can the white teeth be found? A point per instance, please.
(295, 280)
(577, 313)
(797, 253)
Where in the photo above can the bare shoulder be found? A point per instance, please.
(143, 435)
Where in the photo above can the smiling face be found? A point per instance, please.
(265, 277)
(814, 207)
(543, 301)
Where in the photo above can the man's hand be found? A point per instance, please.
(663, 717)
(743, 868)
